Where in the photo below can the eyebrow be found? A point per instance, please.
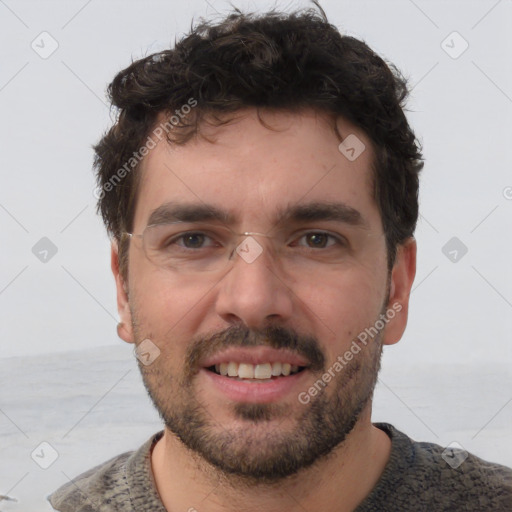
(188, 212)
(323, 211)
(309, 212)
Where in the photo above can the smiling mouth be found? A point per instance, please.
(255, 372)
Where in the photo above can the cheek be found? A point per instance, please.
(342, 306)
(170, 310)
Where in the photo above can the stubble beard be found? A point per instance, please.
(264, 450)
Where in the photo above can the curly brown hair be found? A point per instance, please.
(274, 60)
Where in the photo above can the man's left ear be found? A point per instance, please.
(402, 277)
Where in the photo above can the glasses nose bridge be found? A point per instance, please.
(251, 233)
(248, 247)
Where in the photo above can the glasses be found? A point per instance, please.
(198, 247)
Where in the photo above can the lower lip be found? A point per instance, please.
(256, 392)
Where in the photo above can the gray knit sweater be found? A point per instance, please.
(416, 478)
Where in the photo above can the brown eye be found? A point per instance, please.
(193, 240)
(317, 240)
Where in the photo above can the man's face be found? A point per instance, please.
(315, 282)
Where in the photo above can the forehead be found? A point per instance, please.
(254, 170)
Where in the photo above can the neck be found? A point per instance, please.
(338, 482)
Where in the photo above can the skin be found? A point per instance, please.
(252, 171)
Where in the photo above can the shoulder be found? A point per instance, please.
(465, 477)
(112, 485)
(92, 490)
(446, 477)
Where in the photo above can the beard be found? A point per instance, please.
(261, 446)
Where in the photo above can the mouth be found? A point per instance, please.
(262, 372)
(255, 374)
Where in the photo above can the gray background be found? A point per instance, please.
(448, 379)
(54, 109)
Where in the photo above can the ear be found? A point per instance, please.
(124, 328)
(402, 277)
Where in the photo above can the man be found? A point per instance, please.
(260, 185)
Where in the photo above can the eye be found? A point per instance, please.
(192, 240)
(319, 240)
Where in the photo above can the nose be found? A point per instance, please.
(254, 291)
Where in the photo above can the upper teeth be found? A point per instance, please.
(255, 371)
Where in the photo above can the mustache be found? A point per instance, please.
(277, 337)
